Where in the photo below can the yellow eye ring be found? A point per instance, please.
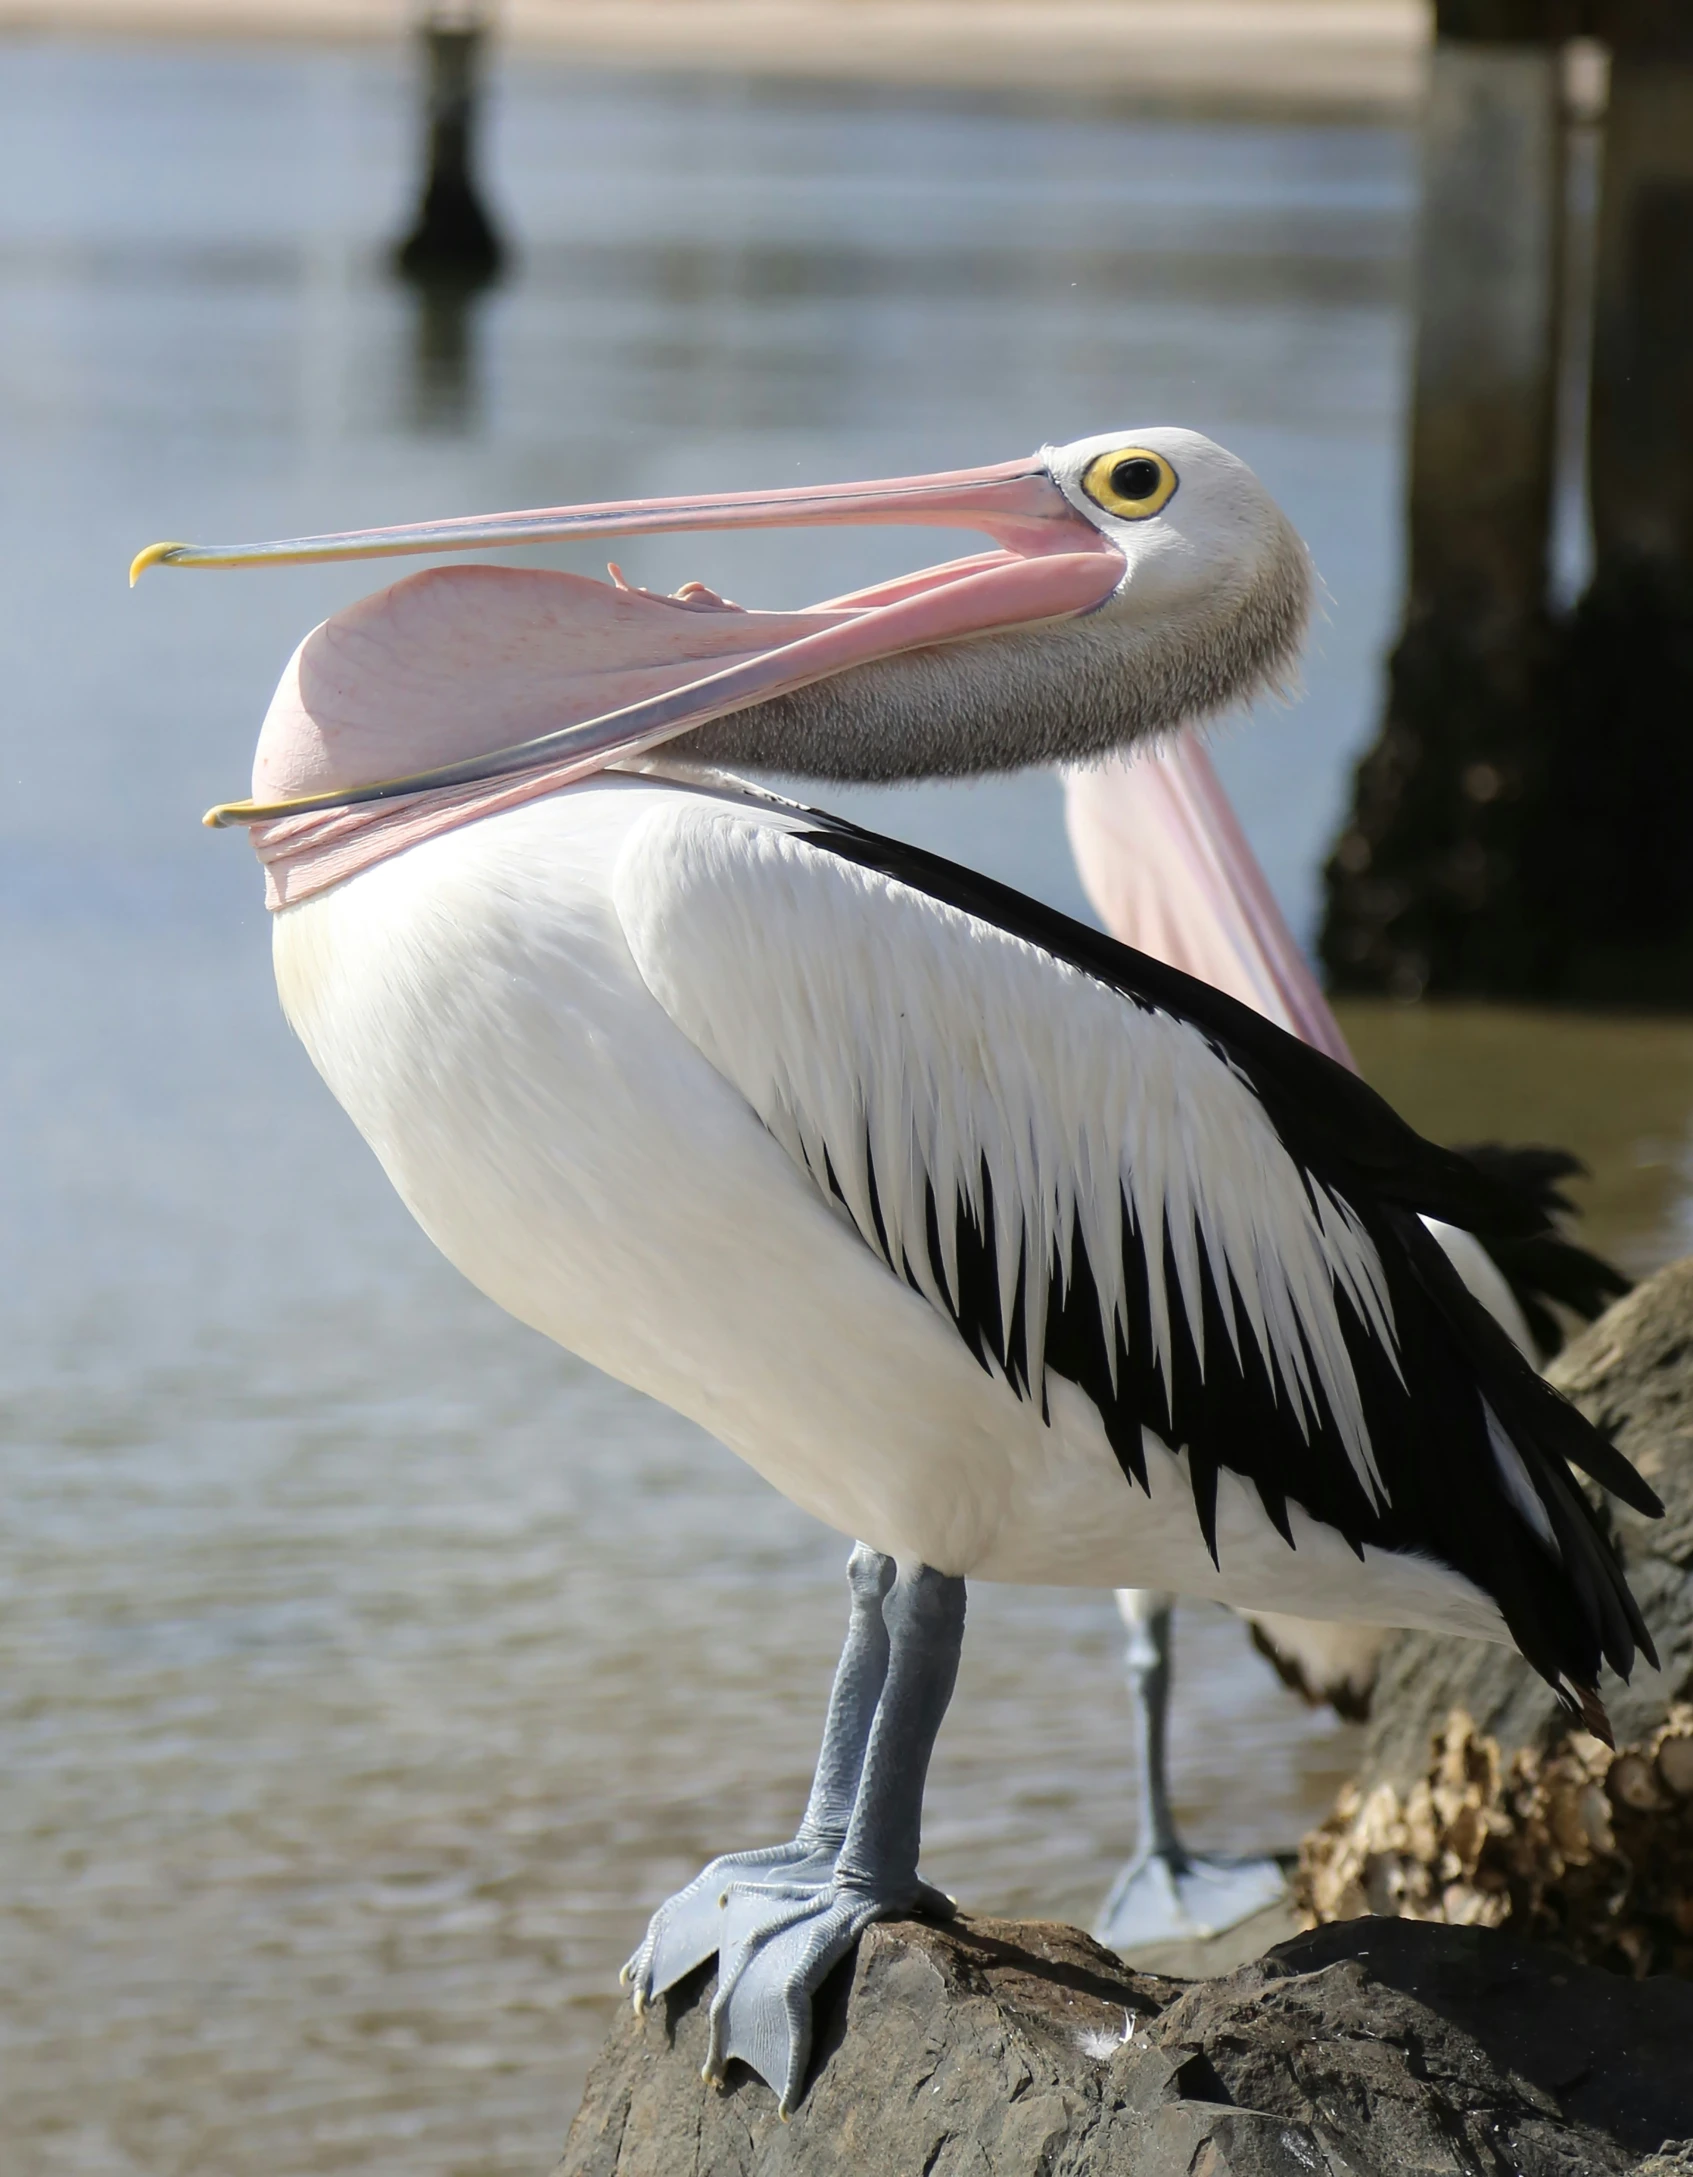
(1133, 483)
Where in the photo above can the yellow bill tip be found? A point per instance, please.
(156, 555)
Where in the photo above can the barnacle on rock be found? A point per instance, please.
(1574, 1845)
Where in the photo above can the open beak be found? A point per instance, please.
(619, 671)
(1015, 502)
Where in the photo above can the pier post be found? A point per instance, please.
(1422, 887)
(452, 238)
(1616, 855)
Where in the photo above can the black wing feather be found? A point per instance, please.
(1444, 1493)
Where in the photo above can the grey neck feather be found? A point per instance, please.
(1065, 693)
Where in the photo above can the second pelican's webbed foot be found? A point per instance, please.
(1160, 1898)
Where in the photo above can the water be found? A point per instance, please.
(368, 1668)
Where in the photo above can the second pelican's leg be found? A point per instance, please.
(774, 1963)
(1167, 1893)
(688, 1928)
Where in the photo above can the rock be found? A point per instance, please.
(990, 2048)
(1198, 1957)
(977, 2046)
(1474, 1802)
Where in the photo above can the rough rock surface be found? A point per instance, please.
(1002, 2049)
(1473, 1801)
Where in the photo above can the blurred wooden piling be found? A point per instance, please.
(1423, 886)
(1520, 825)
(1617, 838)
(452, 239)
(1642, 411)
(1486, 287)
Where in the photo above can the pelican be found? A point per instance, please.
(1168, 869)
(1004, 1249)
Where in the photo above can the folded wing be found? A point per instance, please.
(1205, 1226)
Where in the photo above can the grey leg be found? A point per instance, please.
(858, 1699)
(1167, 1893)
(926, 1635)
(1146, 1657)
(859, 1678)
(775, 1960)
(689, 1928)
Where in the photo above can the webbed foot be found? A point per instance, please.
(776, 1956)
(688, 1928)
(729, 1899)
(1165, 1898)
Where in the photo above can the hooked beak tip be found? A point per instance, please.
(156, 555)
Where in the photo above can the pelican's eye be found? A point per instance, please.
(1131, 483)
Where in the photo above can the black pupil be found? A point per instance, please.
(1137, 479)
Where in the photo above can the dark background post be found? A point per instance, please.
(1522, 825)
(453, 251)
(1613, 873)
(452, 236)
(1423, 887)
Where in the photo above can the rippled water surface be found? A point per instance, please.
(367, 1667)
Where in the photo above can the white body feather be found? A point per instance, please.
(595, 1041)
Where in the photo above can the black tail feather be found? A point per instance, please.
(1532, 1169)
(1545, 1266)
(1551, 1437)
